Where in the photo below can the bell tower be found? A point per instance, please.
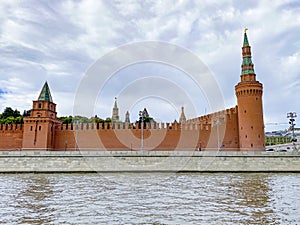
(249, 99)
(39, 127)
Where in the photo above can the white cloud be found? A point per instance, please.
(58, 40)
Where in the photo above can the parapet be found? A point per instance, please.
(11, 127)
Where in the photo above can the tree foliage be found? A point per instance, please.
(10, 116)
(83, 119)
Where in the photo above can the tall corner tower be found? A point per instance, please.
(39, 127)
(249, 99)
(115, 113)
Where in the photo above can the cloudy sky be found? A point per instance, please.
(59, 41)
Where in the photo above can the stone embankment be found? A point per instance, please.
(147, 161)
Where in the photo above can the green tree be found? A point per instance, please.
(9, 120)
(107, 120)
(10, 116)
(66, 119)
(8, 111)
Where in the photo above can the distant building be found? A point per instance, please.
(127, 117)
(182, 118)
(115, 113)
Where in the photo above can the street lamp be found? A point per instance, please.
(291, 116)
(142, 115)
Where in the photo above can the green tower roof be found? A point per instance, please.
(45, 94)
(246, 43)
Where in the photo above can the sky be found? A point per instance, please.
(60, 41)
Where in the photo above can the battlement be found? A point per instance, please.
(11, 136)
(11, 127)
(207, 119)
(127, 126)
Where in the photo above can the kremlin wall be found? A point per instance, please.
(240, 128)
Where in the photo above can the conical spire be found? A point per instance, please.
(246, 43)
(45, 94)
(182, 118)
(247, 65)
(115, 105)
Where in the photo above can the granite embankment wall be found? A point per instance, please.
(147, 161)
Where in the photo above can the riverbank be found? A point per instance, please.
(147, 161)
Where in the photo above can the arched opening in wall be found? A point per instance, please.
(259, 136)
(251, 145)
(245, 111)
(40, 105)
(246, 136)
(30, 128)
(40, 127)
(252, 127)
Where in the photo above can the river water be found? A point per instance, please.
(150, 198)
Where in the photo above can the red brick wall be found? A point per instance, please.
(199, 132)
(11, 137)
(189, 136)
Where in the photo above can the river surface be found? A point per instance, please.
(150, 198)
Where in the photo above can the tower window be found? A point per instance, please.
(251, 145)
(252, 127)
(259, 136)
(246, 135)
(30, 128)
(40, 127)
(40, 105)
(245, 111)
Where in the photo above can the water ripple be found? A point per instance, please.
(150, 198)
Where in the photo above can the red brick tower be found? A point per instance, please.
(249, 98)
(39, 127)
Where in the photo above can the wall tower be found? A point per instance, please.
(249, 99)
(39, 127)
(127, 117)
(182, 118)
(115, 113)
